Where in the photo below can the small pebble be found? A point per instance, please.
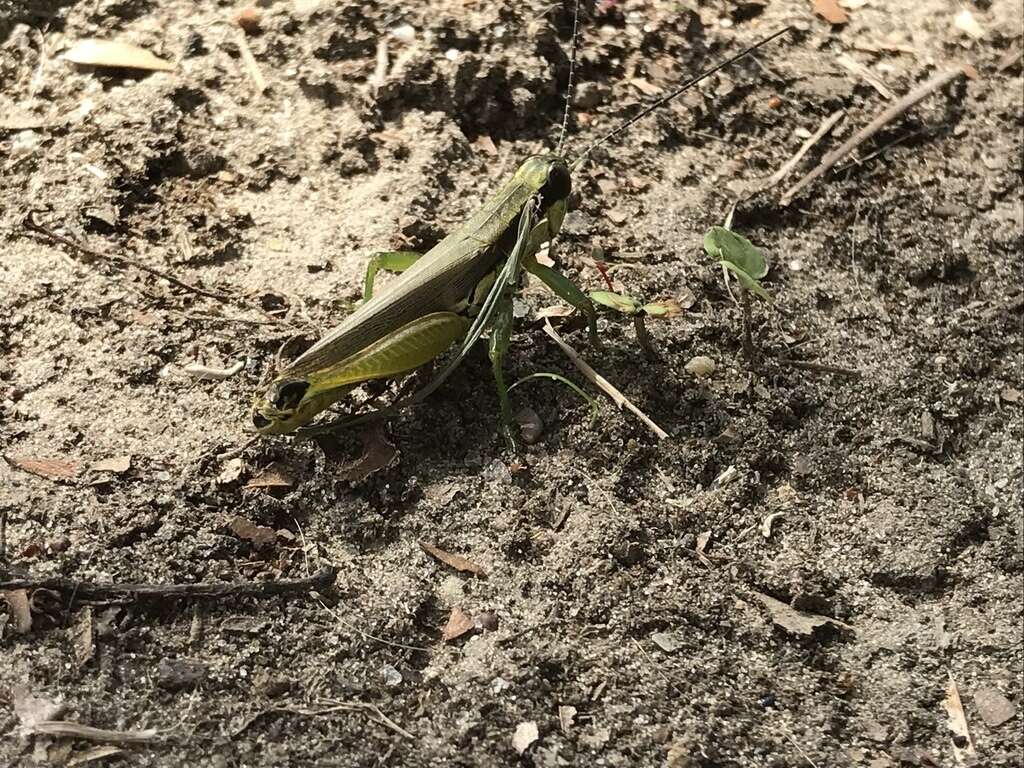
(701, 367)
(530, 425)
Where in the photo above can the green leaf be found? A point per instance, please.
(724, 244)
(616, 301)
(746, 281)
(662, 309)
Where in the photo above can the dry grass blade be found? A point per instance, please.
(250, 63)
(602, 383)
(52, 469)
(457, 562)
(963, 745)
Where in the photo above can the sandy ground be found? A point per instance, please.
(798, 575)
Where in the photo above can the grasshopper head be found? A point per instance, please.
(289, 404)
(549, 176)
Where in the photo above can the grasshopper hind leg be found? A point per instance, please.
(497, 346)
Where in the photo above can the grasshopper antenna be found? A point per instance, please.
(569, 86)
(665, 99)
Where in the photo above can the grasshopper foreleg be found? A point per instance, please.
(497, 346)
(566, 289)
(392, 261)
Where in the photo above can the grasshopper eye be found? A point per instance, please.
(288, 395)
(557, 187)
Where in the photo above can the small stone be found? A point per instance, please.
(666, 641)
(392, 677)
(248, 18)
(994, 708)
(530, 425)
(180, 674)
(701, 367)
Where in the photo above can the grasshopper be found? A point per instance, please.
(455, 292)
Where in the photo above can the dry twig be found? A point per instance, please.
(827, 125)
(602, 383)
(887, 116)
(34, 226)
(85, 590)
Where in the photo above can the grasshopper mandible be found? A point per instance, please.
(457, 290)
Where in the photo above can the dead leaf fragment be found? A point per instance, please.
(18, 607)
(82, 637)
(459, 623)
(830, 11)
(797, 622)
(457, 562)
(110, 53)
(259, 535)
(52, 469)
(525, 736)
(116, 464)
(963, 746)
(274, 476)
(378, 453)
(994, 708)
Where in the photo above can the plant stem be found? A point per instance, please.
(748, 339)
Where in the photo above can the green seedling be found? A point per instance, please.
(639, 311)
(748, 265)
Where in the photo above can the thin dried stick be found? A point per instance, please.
(85, 590)
(71, 730)
(827, 125)
(250, 64)
(34, 226)
(887, 116)
(808, 365)
(602, 383)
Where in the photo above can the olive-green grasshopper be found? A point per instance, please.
(455, 292)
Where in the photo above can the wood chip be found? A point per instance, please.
(792, 620)
(566, 717)
(109, 53)
(963, 745)
(18, 607)
(830, 11)
(116, 464)
(99, 752)
(966, 23)
(459, 623)
(52, 469)
(457, 562)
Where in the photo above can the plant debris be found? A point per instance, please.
(19, 609)
(457, 562)
(796, 621)
(378, 454)
(110, 53)
(459, 623)
(116, 464)
(272, 476)
(51, 469)
(830, 11)
(963, 745)
(259, 535)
